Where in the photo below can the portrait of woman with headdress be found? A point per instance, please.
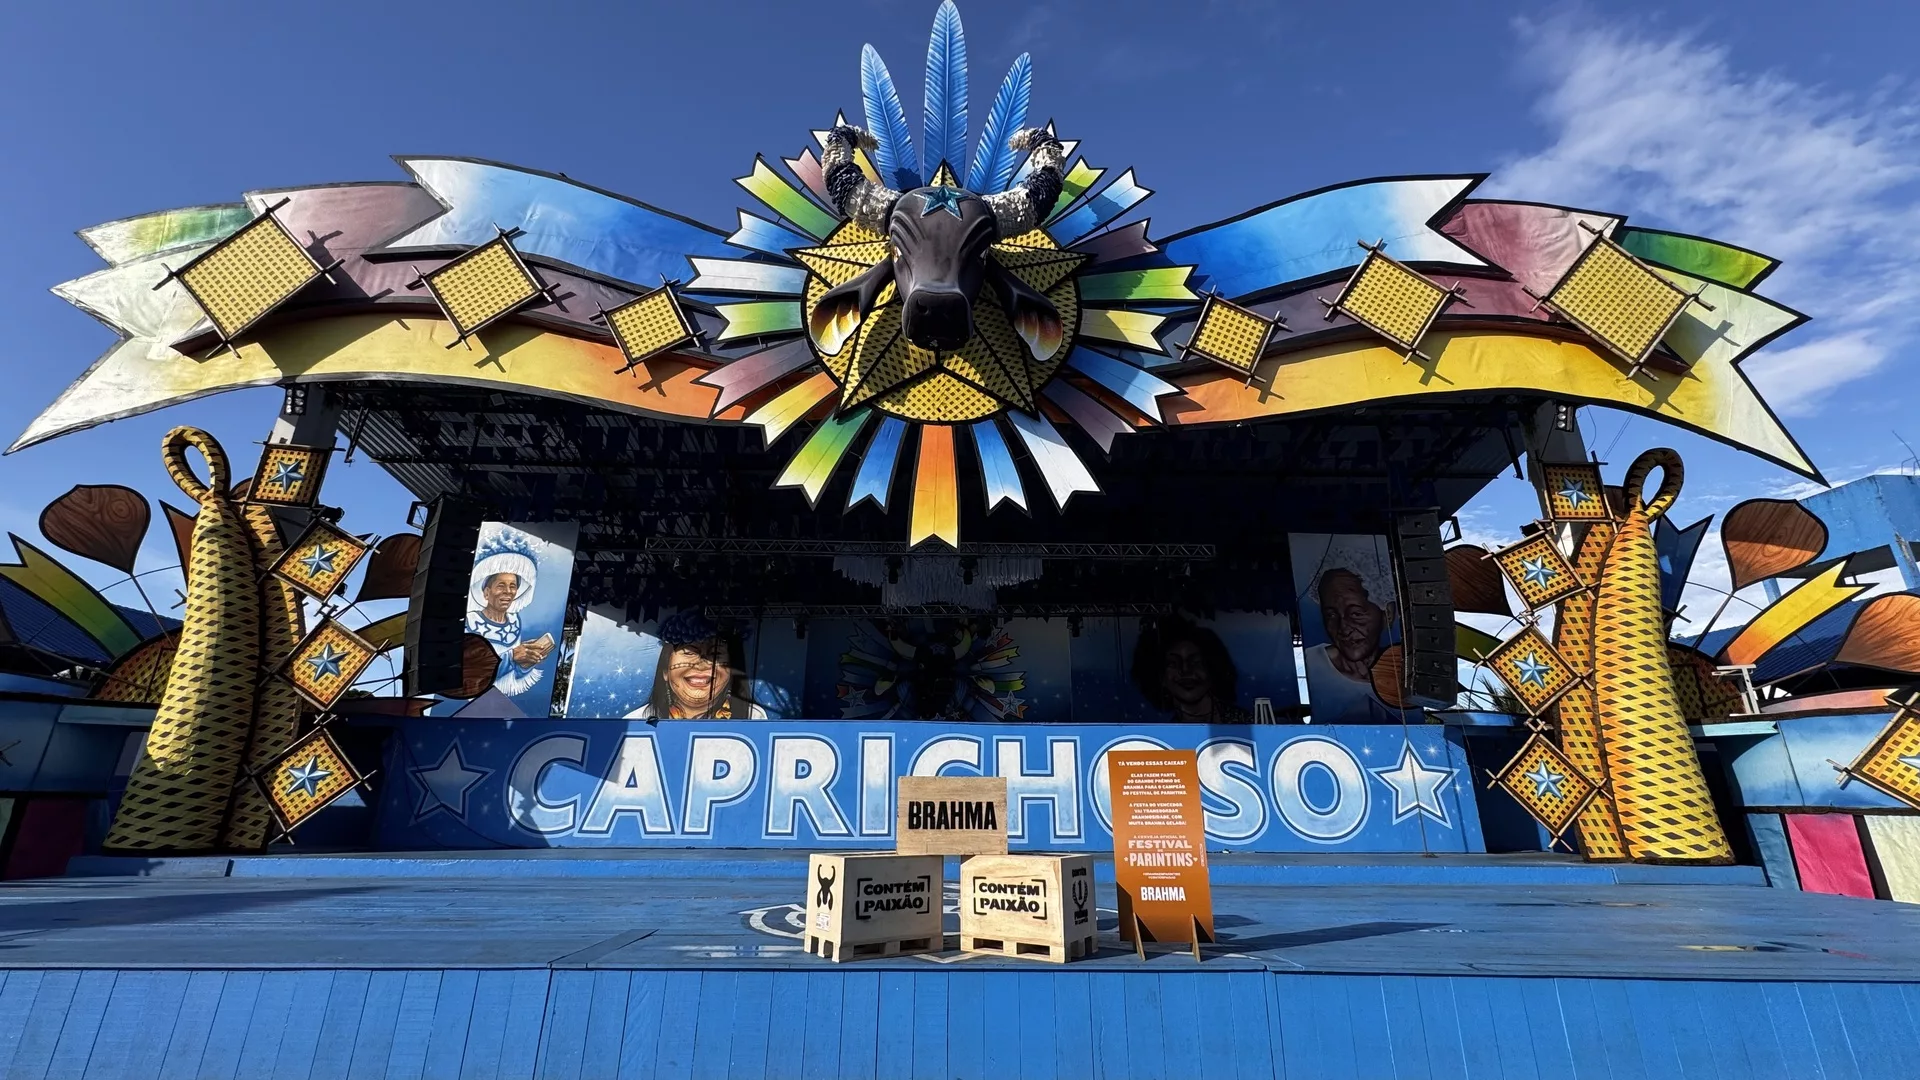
(698, 674)
(500, 588)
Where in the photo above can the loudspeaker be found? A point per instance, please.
(1420, 564)
(437, 605)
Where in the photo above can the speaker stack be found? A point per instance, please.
(437, 609)
(1421, 566)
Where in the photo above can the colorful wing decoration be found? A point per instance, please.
(1226, 323)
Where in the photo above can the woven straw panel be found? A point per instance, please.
(1579, 724)
(1624, 304)
(487, 283)
(178, 795)
(1659, 792)
(252, 273)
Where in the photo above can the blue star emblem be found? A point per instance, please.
(940, 198)
(1546, 782)
(326, 662)
(319, 561)
(1533, 671)
(1575, 493)
(308, 777)
(286, 474)
(1537, 572)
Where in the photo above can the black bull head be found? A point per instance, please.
(941, 239)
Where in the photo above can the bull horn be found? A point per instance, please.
(857, 198)
(1020, 209)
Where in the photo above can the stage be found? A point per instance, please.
(555, 964)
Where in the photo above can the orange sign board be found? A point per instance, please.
(1160, 847)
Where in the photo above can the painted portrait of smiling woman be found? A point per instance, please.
(698, 676)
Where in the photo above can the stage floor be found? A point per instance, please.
(695, 975)
(749, 920)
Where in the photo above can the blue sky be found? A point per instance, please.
(1779, 126)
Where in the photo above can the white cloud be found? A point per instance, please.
(1669, 129)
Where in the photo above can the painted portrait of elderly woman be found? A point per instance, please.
(1348, 603)
(699, 676)
(503, 585)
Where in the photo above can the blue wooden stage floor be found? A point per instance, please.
(691, 976)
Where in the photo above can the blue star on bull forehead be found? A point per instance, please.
(940, 198)
(1536, 571)
(307, 777)
(1575, 493)
(286, 474)
(319, 561)
(1533, 671)
(1546, 781)
(326, 662)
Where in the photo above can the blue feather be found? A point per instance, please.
(893, 158)
(946, 90)
(993, 160)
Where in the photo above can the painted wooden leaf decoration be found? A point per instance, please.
(1472, 643)
(1767, 537)
(1886, 635)
(102, 522)
(1388, 674)
(1476, 581)
(478, 666)
(181, 523)
(390, 569)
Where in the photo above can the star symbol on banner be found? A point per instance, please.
(1532, 670)
(940, 198)
(1546, 782)
(319, 561)
(1416, 787)
(1575, 493)
(1011, 703)
(286, 474)
(444, 786)
(856, 696)
(307, 777)
(1537, 572)
(325, 663)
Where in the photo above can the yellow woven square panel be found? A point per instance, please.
(318, 563)
(310, 774)
(649, 325)
(482, 285)
(1393, 301)
(1533, 669)
(1546, 784)
(249, 274)
(1539, 573)
(324, 665)
(1575, 492)
(1231, 335)
(1624, 305)
(288, 475)
(1891, 762)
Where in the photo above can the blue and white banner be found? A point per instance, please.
(828, 784)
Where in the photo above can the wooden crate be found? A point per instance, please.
(861, 906)
(1037, 907)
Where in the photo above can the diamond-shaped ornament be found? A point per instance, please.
(1533, 669)
(319, 562)
(327, 662)
(1575, 492)
(289, 475)
(305, 778)
(1539, 573)
(1229, 334)
(1546, 784)
(1891, 762)
(1393, 300)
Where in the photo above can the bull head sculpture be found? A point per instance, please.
(939, 238)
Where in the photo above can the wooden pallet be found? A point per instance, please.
(1051, 952)
(869, 950)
